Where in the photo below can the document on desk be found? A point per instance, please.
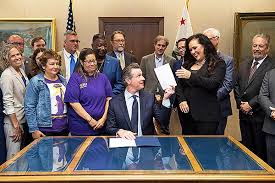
(120, 142)
(147, 141)
(165, 76)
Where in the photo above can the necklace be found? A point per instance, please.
(200, 63)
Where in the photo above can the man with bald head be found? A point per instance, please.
(20, 43)
(227, 85)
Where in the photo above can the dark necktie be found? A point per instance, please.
(253, 70)
(134, 118)
(72, 64)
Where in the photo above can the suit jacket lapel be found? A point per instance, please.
(113, 54)
(165, 59)
(123, 107)
(127, 59)
(247, 73)
(17, 76)
(63, 66)
(142, 108)
(259, 70)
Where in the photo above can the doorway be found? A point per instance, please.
(140, 32)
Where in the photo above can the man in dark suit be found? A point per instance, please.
(147, 65)
(121, 111)
(180, 44)
(227, 85)
(106, 64)
(118, 44)
(267, 102)
(247, 87)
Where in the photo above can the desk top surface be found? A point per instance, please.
(173, 155)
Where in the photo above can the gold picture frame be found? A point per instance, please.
(28, 28)
(246, 26)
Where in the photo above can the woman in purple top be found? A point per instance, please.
(88, 93)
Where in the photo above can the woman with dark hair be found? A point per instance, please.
(44, 101)
(88, 92)
(200, 78)
(35, 62)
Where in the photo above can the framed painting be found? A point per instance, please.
(29, 28)
(246, 26)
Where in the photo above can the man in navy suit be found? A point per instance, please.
(118, 44)
(227, 85)
(120, 111)
(106, 64)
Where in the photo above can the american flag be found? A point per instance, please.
(70, 21)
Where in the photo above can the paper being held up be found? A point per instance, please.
(165, 76)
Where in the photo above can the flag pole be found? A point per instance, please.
(187, 3)
(74, 29)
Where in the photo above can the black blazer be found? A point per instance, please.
(248, 91)
(118, 117)
(129, 58)
(200, 92)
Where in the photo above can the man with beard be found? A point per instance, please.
(106, 64)
(118, 44)
(247, 87)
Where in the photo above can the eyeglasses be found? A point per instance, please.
(119, 40)
(181, 48)
(74, 41)
(17, 43)
(90, 62)
(213, 37)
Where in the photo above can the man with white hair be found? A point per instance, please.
(247, 86)
(227, 85)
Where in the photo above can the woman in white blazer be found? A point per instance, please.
(13, 82)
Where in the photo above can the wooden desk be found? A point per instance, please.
(177, 159)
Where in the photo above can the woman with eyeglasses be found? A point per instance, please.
(88, 92)
(13, 83)
(45, 109)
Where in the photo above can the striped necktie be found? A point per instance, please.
(253, 70)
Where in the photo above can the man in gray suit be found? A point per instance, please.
(267, 102)
(227, 85)
(69, 54)
(147, 65)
